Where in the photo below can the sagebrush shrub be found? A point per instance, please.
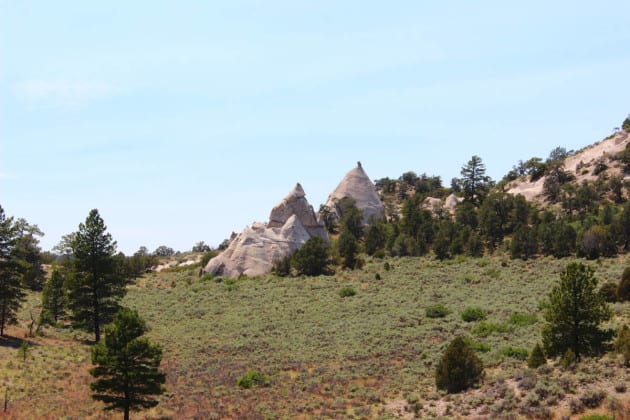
(253, 378)
(473, 313)
(437, 311)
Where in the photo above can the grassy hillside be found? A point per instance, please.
(371, 355)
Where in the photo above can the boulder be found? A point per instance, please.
(357, 186)
(253, 252)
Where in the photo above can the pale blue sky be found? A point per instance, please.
(184, 121)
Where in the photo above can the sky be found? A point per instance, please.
(182, 121)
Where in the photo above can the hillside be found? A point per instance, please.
(585, 165)
(371, 355)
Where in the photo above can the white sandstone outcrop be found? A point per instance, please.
(253, 252)
(357, 186)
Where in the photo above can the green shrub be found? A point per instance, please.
(596, 417)
(522, 319)
(517, 353)
(459, 368)
(622, 344)
(537, 358)
(626, 124)
(609, 291)
(569, 359)
(386, 266)
(347, 291)
(473, 313)
(437, 311)
(593, 398)
(623, 291)
(478, 347)
(484, 329)
(377, 276)
(253, 378)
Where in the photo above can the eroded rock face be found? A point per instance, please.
(358, 186)
(253, 252)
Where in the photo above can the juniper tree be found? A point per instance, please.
(459, 368)
(127, 366)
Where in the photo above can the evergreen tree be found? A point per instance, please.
(313, 259)
(537, 358)
(623, 291)
(524, 243)
(29, 252)
(54, 297)
(348, 248)
(574, 314)
(95, 285)
(126, 366)
(375, 237)
(11, 272)
(459, 368)
(475, 182)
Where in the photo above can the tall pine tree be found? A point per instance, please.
(575, 312)
(127, 365)
(11, 272)
(95, 285)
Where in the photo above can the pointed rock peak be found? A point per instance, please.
(358, 186)
(297, 192)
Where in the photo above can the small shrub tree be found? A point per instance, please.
(623, 291)
(253, 378)
(537, 358)
(437, 311)
(622, 344)
(459, 368)
(54, 299)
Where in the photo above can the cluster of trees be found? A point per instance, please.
(592, 220)
(86, 286)
(574, 313)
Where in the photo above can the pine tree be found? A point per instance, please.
(11, 273)
(95, 285)
(574, 314)
(54, 297)
(459, 368)
(127, 366)
(313, 259)
(475, 183)
(348, 248)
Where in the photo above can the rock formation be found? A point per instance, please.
(291, 223)
(357, 186)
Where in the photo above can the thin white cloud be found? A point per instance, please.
(61, 93)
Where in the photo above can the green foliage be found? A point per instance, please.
(517, 353)
(126, 365)
(313, 259)
(622, 344)
(95, 286)
(348, 248)
(478, 346)
(574, 314)
(347, 291)
(537, 357)
(524, 243)
(11, 272)
(23, 351)
(609, 291)
(28, 250)
(568, 359)
(625, 125)
(484, 329)
(252, 379)
(376, 237)
(475, 183)
(54, 299)
(351, 217)
(596, 241)
(163, 251)
(282, 267)
(623, 291)
(437, 311)
(459, 368)
(473, 313)
(522, 319)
